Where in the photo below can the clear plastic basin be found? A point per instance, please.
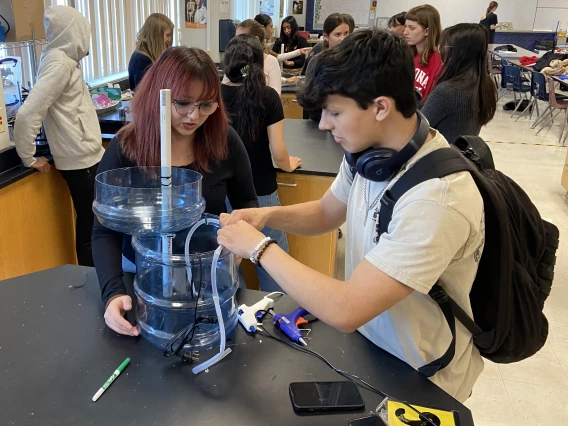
(133, 201)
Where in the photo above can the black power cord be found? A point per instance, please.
(351, 377)
(7, 24)
(183, 337)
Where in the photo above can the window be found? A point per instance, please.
(114, 25)
(244, 9)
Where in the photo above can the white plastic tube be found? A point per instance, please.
(166, 180)
(222, 351)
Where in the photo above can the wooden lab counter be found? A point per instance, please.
(37, 225)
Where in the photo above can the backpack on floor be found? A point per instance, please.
(511, 105)
(517, 264)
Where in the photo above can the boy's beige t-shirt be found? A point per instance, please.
(437, 231)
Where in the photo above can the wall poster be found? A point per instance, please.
(267, 7)
(196, 14)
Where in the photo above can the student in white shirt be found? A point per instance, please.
(436, 233)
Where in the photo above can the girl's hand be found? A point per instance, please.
(114, 316)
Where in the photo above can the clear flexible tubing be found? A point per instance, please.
(222, 351)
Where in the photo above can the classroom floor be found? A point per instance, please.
(535, 391)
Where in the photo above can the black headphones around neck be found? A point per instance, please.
(381, 164)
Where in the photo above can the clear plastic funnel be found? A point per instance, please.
(133, 201)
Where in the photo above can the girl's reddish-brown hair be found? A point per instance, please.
(176, 69)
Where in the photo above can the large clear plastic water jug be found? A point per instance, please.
(133, 201)
(167, 289)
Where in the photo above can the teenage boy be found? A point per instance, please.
(365, 88)
(62, 101)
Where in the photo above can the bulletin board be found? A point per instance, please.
(359, 9)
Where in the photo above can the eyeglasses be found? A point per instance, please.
(187, 107)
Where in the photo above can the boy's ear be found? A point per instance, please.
(383, 107)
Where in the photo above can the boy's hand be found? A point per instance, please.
(240, 238)
(255, 217)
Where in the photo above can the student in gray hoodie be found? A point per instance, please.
(62, 101)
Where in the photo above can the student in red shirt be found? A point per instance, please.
(422, 32)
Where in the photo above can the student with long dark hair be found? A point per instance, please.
(256, 114)
(271, 65)
(201, 140)
(396, 23)
(336, 27)
(267, 24)
(464, 98)
(422, 32)
(291, 39)
(489, 20)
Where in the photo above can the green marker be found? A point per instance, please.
(111, 379)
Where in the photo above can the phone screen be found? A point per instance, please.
(322, 396)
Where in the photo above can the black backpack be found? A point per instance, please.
(517, 265)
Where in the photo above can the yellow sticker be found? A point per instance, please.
(401, 415)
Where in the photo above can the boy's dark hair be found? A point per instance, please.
(364, 66)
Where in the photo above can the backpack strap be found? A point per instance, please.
(437, 164)
(443, 300)
(476, 150)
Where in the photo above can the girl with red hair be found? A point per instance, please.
(201, 140)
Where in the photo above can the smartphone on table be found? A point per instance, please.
(325, 396)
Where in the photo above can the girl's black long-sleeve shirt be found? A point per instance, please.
(232, 178)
